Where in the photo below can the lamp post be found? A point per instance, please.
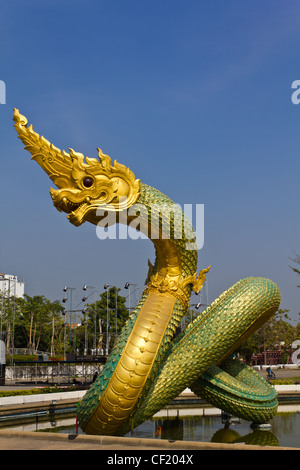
(84, 323)
(85, 288)
(116, 315)
(68, 290)
(127, 286)
(107, 319)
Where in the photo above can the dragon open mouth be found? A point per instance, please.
(76, 210)
(79, 212)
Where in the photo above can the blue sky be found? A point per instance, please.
(195, 97)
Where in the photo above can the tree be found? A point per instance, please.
(11, 313)
(55, 308)
(111, 306)
(296, 270)
(37, 322)
(275, 331)
(295, 260)
(32, 323)
(35, 318)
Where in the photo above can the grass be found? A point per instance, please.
(289, 381)
(35, 391)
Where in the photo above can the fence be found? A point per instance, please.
(53, 373)
(24, 351)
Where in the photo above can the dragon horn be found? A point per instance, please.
(56, 163)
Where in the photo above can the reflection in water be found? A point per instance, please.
(284, 428)
(173, 429)
(256, 437)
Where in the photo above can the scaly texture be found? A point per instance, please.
(148, 365)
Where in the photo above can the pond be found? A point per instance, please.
(202, 425)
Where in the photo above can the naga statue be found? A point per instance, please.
(150, 364)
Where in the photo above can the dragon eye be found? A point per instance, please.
(88, 182)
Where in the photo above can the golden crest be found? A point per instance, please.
(85, 184)
(176, 288)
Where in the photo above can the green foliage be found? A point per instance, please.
(291, 381)
(22, 357)
(297, 261)
(29, 323)
(276, 330)
(35, 391)
(36, 323)
(29, 358)
(105, 316)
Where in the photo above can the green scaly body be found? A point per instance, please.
(189, 360)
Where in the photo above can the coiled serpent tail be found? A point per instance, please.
(149, 365)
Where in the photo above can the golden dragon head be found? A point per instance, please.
(84, 184)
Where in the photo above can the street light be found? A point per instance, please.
(115, 308)
(198, 305)
(85, 288)
(68, 290)
(106, 286)
(127, 286)
(84, 323)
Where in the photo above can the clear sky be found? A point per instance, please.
(195, 97)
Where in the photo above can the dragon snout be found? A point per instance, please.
(67, 201)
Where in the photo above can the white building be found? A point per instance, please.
(10, 286)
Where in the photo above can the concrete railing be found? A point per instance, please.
(78, 394)
(41, 397)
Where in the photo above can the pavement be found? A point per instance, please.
(281, 373)
(21, 440)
